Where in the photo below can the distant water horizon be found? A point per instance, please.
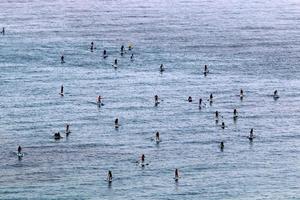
(249, 45)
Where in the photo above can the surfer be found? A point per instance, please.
(116, 123)
(190, 99)
(200, 102)
(3, 31)
(99, 100)
(109, 176)
(176, 174)
(122, 50)
(19, 149)
(62, 59)
(68, 130)
(211, 99)
(142, 158)
(241, 94)
(275, 96)
(157, 137)
(116, 61)
(205, 70)
(217, 116)
(223, 125)
(131, 57)
(92, 46)
(251, 136)
(57, 136)
(129, 47)
(156, 100)
(104, 54)
(161, 68)
(61, 90)
(222, 146)
(235, 115)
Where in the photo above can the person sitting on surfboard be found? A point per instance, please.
(251, 136)
(104, 54)
(162, 68)
(235, 114)
(142, 158)
(92, 46)
(131, 57)
(190, 99)
(176, 174)
(116, 61)
(116, 123)
(223, 125)
(3, 31)
(122, 49)
(109, 176)
(241, 93)
(200, 102)
(19, 149)
(68, 129)
(62, 59)
(222, 145)
(156, 100)
(57, 136)
(217, 116)
(211, 98)
(275, 96)
(205, 70)
(157, 137)
(61, 90)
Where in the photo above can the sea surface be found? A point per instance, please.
(249, 45)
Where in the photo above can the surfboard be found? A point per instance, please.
(20, 154)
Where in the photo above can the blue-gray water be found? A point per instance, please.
(252, 45)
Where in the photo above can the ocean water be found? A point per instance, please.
(253, 45)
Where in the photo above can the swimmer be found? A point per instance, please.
(92, 46)
(104, 54)
(68, 130)
(116, 123)
(200, 102)
(235, 115)
(275, 96)
(61, 90)
(223, 125)
(161, 68)
(62, 59)
(109, 176)
(251, 136)
(176, 175)
(222, 146)
(190, 99)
